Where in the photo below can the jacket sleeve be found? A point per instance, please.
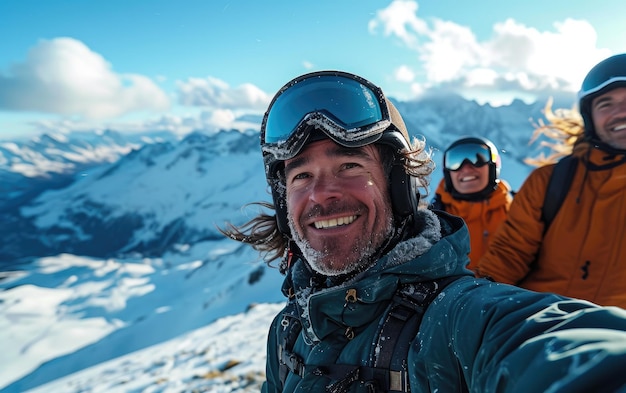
(517, 241)
(522, 341)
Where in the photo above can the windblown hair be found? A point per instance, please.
(565, 129)
(262, 233)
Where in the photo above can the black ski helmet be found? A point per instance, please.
(311, 113)
(604, 76)
(494, 163)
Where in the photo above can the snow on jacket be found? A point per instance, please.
(481, 217)
(476, 336)
(583, 253)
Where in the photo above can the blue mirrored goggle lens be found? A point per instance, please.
(347, 102)
(475, 154)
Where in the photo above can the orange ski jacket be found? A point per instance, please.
(583, 252)
(481, 217)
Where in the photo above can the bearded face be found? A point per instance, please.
(339, 206)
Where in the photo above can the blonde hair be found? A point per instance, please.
(565, 128)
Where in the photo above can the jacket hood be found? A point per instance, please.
(439, 250)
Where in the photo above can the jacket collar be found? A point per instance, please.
(440, 249)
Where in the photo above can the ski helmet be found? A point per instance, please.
(477, 151)
(604, 76)
(345, 108)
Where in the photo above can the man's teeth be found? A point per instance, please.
(619, 127)
(334, 222)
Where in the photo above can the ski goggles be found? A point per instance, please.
(347, 108)
(474, 153)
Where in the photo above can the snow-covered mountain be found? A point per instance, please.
(112, 195)
(111, 262)
(157, 197)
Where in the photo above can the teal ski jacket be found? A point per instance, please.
(476, 336)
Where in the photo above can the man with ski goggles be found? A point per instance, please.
(378, 296)
(565, 230)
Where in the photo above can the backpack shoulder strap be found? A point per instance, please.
(557, 189)
(290, 329)
(400, 328)
(397, 331)
(390, 370)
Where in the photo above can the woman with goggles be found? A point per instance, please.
(472, 189)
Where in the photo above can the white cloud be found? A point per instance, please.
(450, 50)
(481, 77)
(207, 121)
(215, 93)
(64, 76)
(404, 74)
(565, 54)
(417, 89)
(517, 59)
(222, 118)
(399, 19)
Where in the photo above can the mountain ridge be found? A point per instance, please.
(124, 261)
(75, 193)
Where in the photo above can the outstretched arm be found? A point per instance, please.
(507, 339)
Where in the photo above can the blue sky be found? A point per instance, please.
(201, 64)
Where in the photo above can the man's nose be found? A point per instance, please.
(325, 187)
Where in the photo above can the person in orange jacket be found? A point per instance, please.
(472, 189)
(582, 253)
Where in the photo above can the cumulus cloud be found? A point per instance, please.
(208, 121)
(404, 74)
(399, 19)
(519, 59)
(214, 93)
(63, 76)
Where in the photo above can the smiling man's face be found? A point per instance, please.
(339, 206)
(608, 112)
